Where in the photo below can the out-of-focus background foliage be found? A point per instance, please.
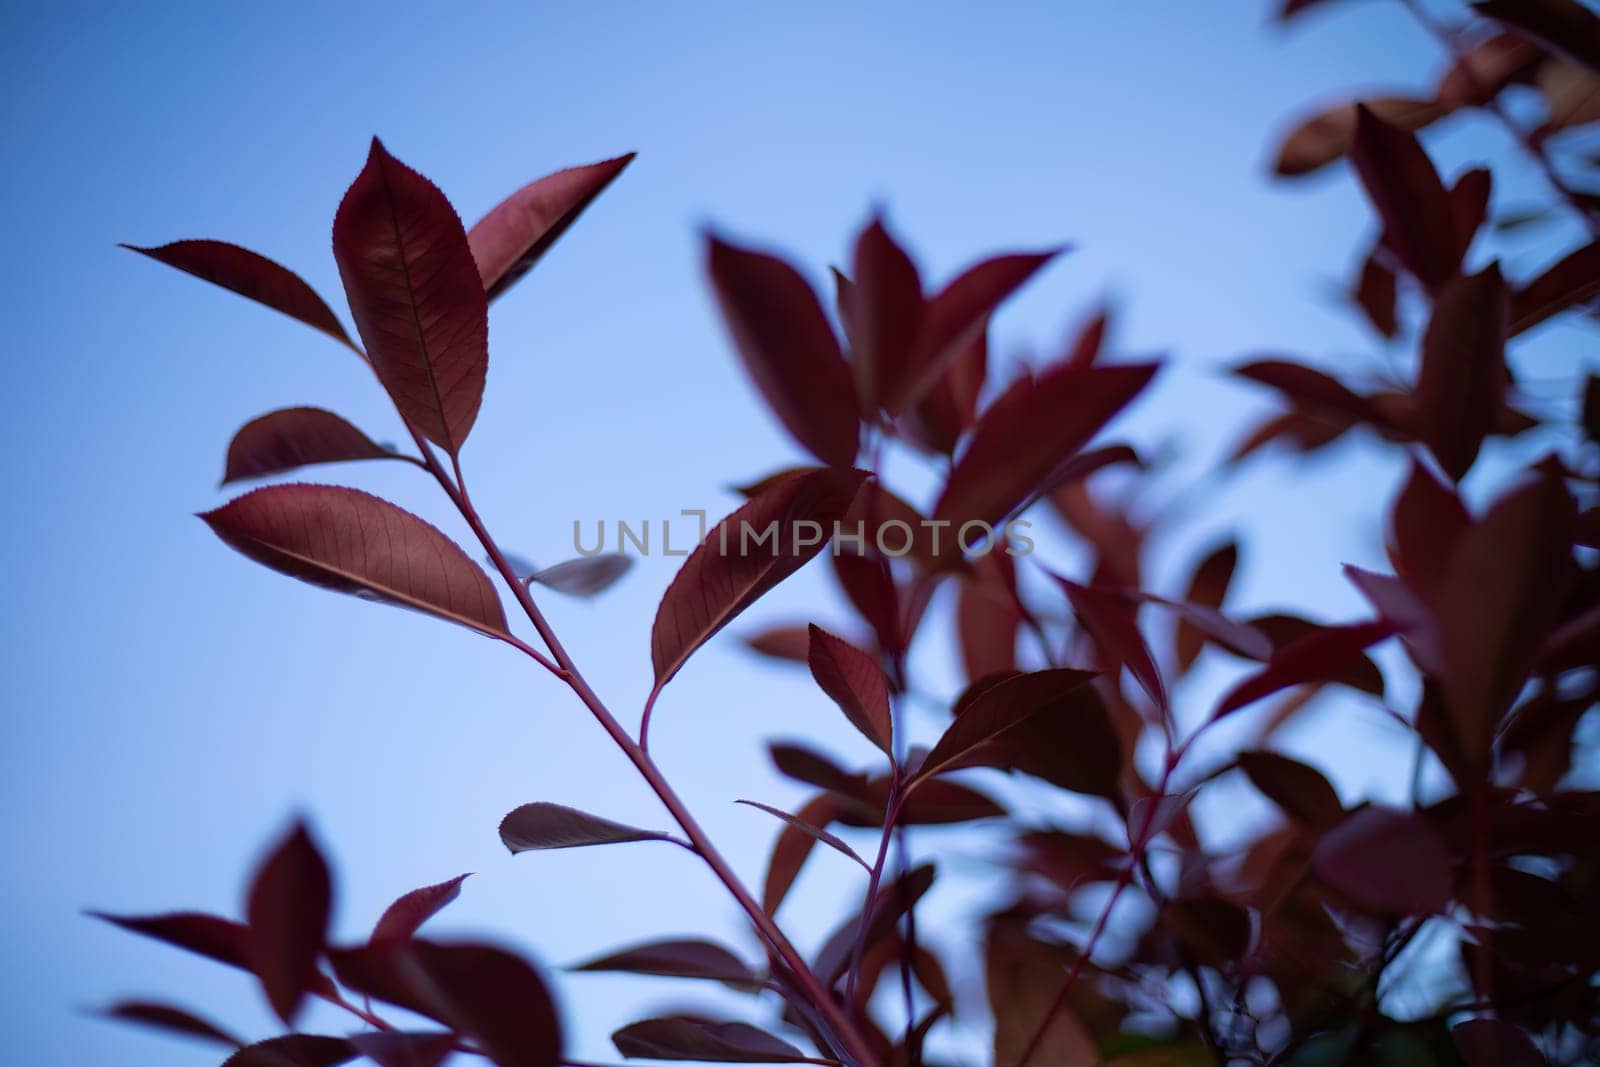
(168, 707)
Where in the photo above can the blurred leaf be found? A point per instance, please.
(1572, 280)
(290, 902)
(1317, 657)
(1386, 860)
(1565, 27)
(885, 311)
(1112, 622)
(683, 1038)
(586, 576)
(678, 958)
(1300, 790)
(1409, 197)
(396, 1048)
(294, 1050)
(1328, 135)
(1461, 383)
(173, 1020)
(993, 712)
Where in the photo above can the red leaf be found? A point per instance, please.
(788, 348)
(1409, 197)
(543, 826)
(1572, 280)
(853, 680)
(815, 832)
(1112, 622)
(683, 1038)
(401, 920)
(416, 296)
(1483, 71)
(1317, 657)
(1565, 27)
(1208, 588)
(1469, 206)
(1298, 789)
(1427, 521)
(290, 902)
(957, 316)
(988, 618)
(733, 567)
(1073, 747)
(793, 847)
(518, 231)
(353, 542)
(1375, 293)
(210, 936)
(493, 997)
(1497, 603)
(393, 1048)
(1387, 861)
(296, 437)
(996, 710)
(1461, 383)
(886, 309)
(250, 275)
(685, 958)
(1328, 135)
(171, 1019)
(792, 643)
(1028, 433)
(950, 405)
(1312, 391)
(585, 577)
(294, 1050)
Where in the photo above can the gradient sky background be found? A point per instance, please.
(169, 707)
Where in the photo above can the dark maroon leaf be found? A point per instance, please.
(885, 310)
(891, 904)
(533, 827)
(289, 906)
(1485, 1042)
(250, 275)
(956, 318)
(1023, 976)
(1214, 931)
(1572, 280)
(988, 617)
(1428, 519)
(996, 710)
(1028, 433)
(1209, 623)
(683, 1038)
(1298, 789)
(1359, 673)
(586, 576)
(733, 567)
(1386, 860)
(950, 406)
(853, 680)
(1461, 383)
(394, 1048)
(1469, 205)
(1074, 747)
(1208, 588)
(792, 643)
(1112, 622)
(788, 348)
(1565, 27)
(518, 231)
(1291, 8)
(814, 832)
(296, 437)
(385, 970)
(1497, 603)
(353, 542)
(294, 1050)
(493, 997)
(1409, 197)
(1328, 135)
(173, 1020)
(1484, 70)
(683, 958)
(1312, 391)
(210, 936)
(936, 803)
(1317, 657)
(401, 920)
(805, 765)
(416, 296)
(793, 847)
(1375, 293)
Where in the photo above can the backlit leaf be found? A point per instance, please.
(173, 1020)
(401, 920)
(854, 681)
(296, 437)
(1461, 383)
(1300, 790)
(1328, 135)
(1317, 657)
(886, 308)
(996, 710)
(1386, 860)
(1409, 197)
(1565, 27)
(683, 1038)
(290, 902)
(733, 567)
(416, 296)
(294, 1050)
(680, 958)
(518, 231)
(353, 542)
(1208, 588)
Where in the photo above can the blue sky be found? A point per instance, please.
(170, 706)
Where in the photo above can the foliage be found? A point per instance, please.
(1280, 949)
